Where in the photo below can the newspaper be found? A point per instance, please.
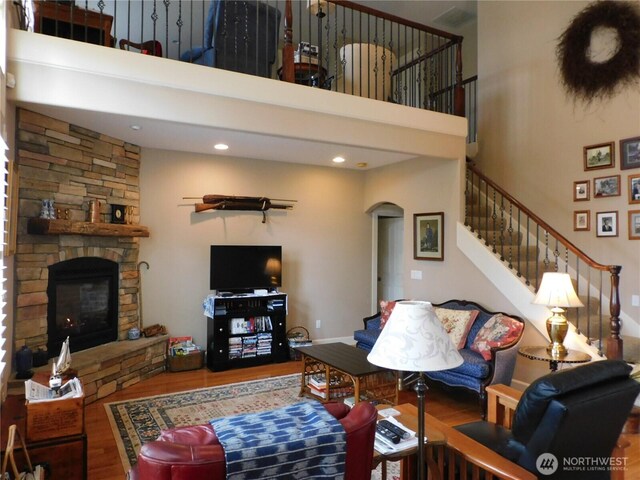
(36, 392)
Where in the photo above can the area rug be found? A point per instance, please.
(137, 421)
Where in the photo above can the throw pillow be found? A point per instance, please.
(457, 323)
(498, 331)
(386, 307)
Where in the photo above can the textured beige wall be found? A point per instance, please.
(532, 134)
(326, 238)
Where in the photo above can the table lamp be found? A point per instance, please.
(556, 291)
(414, 340)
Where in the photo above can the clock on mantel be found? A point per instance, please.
(44, 226)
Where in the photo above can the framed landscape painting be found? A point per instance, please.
(630, 153)
(607, 224)
(606, 186)
(599, 156)
(428, 236)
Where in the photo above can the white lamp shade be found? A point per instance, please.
(556, 290)
(414, 340)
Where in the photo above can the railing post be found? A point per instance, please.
(458, 91)
(614, 342)
(288, 72)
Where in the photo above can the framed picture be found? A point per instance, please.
(599, 156)
(581, 190)
(630, 153)
(606, 186)
(581, 220)
(428, 236)
(634, 188)
(606, 224)
(634, 225)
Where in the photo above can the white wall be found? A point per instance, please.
(532, 134)
(326, 238)
(426, 186)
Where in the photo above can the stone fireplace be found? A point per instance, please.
(73, 166)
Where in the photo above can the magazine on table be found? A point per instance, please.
(387, 447)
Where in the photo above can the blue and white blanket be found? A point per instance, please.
(299, 441)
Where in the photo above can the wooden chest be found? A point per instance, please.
(59, 418)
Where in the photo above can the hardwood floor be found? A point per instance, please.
(453, 408)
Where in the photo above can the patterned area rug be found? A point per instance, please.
(135, 422)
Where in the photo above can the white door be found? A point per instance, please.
(390, 234)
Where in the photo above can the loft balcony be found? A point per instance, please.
(182, 59)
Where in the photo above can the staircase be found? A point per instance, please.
(528, 247)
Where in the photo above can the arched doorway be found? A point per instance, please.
(387, 261)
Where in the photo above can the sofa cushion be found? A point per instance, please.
(386, 307)
(457, 323)
(499, 330)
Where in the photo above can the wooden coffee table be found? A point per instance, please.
(435, 442)
(347, 373)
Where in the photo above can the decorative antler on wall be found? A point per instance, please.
(231, 202)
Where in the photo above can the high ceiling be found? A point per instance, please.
(158, 134)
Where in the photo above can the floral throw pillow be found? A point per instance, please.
(457, 323)
(498, 331)
(386, 307)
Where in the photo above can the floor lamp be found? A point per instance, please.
(414, 340)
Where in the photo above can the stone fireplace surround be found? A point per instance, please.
(73, 165)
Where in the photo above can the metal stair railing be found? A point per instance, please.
(529, 247)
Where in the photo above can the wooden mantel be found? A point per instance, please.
(43, 226)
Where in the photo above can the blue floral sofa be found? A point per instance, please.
(488, 344)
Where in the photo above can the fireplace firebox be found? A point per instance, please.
(82, 304)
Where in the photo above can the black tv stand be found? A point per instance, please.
(247, 330)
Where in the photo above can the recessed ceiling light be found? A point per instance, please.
(362, 164)
(338, 160)
(135, 127)
(221, 146)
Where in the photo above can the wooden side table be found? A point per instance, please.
(307, 74)
(541, 353)
(64, 21)
(435, 438)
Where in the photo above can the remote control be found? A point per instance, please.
(402, 433)
(388, 434)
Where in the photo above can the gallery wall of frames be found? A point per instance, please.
(607, 181)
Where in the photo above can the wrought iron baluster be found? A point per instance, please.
(494, 217)
(519, 259)
(510, 231)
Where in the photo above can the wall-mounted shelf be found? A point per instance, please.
(43, 226)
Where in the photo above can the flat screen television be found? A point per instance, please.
(242, 268)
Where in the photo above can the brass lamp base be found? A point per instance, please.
(557, 328)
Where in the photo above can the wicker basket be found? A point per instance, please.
(297, 337)
(180, 363)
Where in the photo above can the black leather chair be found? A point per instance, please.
(576, 415)
(241, 36)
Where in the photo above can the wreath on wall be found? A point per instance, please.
(589, 80)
